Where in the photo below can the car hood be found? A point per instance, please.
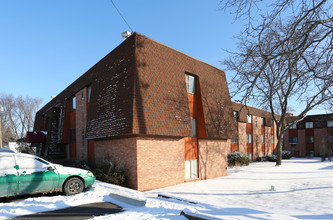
(70, 170)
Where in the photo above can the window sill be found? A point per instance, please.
(191, 180)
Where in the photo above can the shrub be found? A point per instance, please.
(108, 171)
(238, 159)
(259, 159)
(111, 172)
(78, 164)
(270, 158)
(286, 154)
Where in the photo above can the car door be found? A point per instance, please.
(34, 175)
(8, 175)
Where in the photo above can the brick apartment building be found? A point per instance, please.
(167, 116)
(311, 137)
(256, 131)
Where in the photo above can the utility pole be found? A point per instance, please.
(1, 110)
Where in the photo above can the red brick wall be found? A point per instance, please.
(242, 137)
(213, 158)
(256, 137)
(122, 150)
(160, 162)
(268, 138)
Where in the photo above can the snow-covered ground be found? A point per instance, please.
(299, 189)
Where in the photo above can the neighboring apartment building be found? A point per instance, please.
(256, 131)
(164, 114)
(311, 137)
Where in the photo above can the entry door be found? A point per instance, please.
(8, 176)
(34, 176)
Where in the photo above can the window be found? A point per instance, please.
(194, 127)
(330, 138)
(88, 94)
(309, 139)
(292, 140)
(190, 83)
(263, 121)
(236, 115)
(249, 118)
(262, 138)
(294, 126)
(309, 124)
(6, 162)
(234, 140)
(330, 124)
(272, 139)
(30, 163)
(72, 104)
(249, 138)
(249, 155)
(72, 135)
(191, 169)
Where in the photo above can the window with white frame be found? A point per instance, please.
(330, 138)
(309, 139)
(294, 126)
(249, 155)
(309, 124)
(190, 83)
(292, 140)
(330, 124)
(249, 138)
(272, 139)
(88, 94)
(249, 118)
(263, 139)
(194, 127)
(191, 169)
(236, 115)
(72, 104)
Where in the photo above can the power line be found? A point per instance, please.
(121, 15)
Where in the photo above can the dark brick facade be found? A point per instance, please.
(314, 140)
(139, 88)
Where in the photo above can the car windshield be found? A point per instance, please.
(43, 161)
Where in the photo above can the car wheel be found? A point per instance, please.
(73, 186)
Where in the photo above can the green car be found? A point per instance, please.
(27, 174)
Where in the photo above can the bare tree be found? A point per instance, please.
(285, 56)
(18, 116)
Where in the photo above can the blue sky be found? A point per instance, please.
(45, 45)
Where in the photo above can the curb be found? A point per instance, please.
(128, 200)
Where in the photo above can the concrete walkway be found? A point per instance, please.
(75, 213)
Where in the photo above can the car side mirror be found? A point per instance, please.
(50, 168)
